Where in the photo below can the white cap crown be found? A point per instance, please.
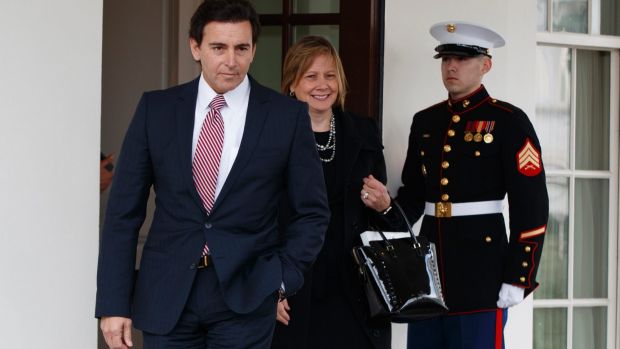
(464, 33)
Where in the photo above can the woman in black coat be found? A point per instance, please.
(330, 311)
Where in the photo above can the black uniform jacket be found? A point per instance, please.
(361, 154)
(469, 150)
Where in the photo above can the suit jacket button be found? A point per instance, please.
(192, 266)
(208, 225)
(376, 333)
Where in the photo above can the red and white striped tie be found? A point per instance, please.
(206, 163)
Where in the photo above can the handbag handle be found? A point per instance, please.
(409, 228)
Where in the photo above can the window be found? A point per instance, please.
(577, 121)
(579, 16)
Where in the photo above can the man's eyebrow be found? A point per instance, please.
(217, 44)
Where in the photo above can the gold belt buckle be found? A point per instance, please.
(443, 209)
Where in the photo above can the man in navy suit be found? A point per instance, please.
(211, 272)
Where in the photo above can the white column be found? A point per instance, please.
(50, 92)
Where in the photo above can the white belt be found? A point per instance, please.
(448, 209)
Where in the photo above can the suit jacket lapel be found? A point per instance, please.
(254, 122)
(184, 113)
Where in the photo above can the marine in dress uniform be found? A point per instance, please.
(465, 156)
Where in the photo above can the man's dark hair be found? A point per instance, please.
(223, 11)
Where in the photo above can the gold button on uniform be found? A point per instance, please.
(445, 164)
(488, 239)
(421, 152)
(528, 249)
(451, 133)
(445, 197)
(456, 118)
(522, 279)
(447, 148)
(477, 153)
(444, 181)
(524, 264)
(466, 103)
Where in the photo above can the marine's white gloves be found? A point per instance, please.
(510, 295)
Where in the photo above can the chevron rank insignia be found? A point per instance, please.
(528, 160)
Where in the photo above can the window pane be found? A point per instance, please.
(553, 103)
(570, 16)
(610, 17)
(542, 15)
(592, 102)
(267, 65)
(553, 270)
(316, 6)
(549, 328)
(591, 238)
(590, 328)
(331, 32)
(264, 7)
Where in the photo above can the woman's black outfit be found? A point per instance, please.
(330, 310)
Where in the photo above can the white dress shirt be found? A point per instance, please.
(233, 115)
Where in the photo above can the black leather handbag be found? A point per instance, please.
(400, 275)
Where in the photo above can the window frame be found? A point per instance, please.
(579, 41)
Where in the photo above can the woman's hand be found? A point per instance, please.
(282, 312)
(375, 195)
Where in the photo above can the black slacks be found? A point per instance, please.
(206, 321)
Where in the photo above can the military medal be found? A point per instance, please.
(479, 127)
(469, 129)
(488, 138)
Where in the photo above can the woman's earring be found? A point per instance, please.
(292, 93)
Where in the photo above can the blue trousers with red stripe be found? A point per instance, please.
(483, 330)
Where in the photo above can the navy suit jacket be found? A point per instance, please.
(277, 155)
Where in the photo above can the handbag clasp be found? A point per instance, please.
(443, 209)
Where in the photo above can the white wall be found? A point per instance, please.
(412, 82)
(50, 78)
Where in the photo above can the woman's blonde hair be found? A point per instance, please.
(299, 58)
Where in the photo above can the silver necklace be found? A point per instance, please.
(331, 141)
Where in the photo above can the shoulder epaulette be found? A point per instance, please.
(503, 105)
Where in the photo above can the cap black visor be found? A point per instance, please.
(460, 50)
